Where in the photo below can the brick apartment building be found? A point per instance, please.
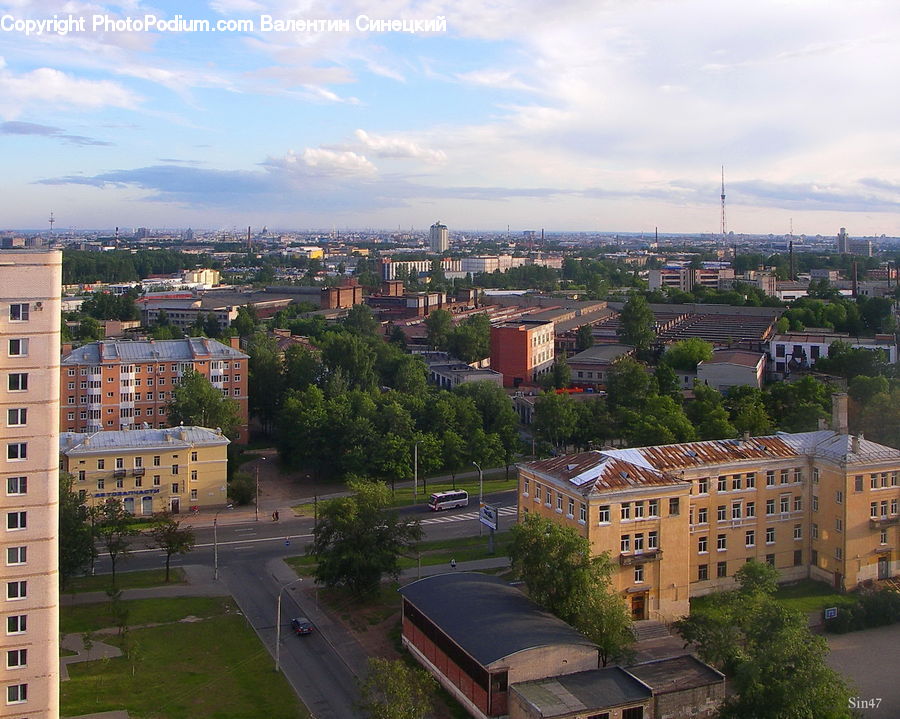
(113, 385)
(679, 520)
(522, 350)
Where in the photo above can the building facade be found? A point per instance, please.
(439, 238)
(522, 351)
(114, 385)
(30, 287)
(800, 350)
(149, 470)
(679, 520)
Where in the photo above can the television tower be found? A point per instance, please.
(722, 227)
(52, 220)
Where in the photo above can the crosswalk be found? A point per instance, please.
(440, 519)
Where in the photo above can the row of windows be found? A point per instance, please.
(96, 384)
(649, 509)
(138, 462)
(880, 509)
(877, 480)
(628, 542)
(149, 368)
(749, 539)
(722, 567)
(135, 397)
(139, 481)
(736, 482)
(747, 510)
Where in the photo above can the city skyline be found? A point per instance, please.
(586, 117)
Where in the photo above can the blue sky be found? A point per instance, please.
(575, 115)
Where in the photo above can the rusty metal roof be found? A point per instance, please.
(670, 457)
(595, 471)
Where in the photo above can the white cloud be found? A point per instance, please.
(231, 7)
(331, 162)
(398, 147)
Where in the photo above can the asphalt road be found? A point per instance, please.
(248, 554)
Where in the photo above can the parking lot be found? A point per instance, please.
(868, 660)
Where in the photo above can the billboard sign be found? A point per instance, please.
(487, 515)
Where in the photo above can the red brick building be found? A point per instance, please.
(113, 385)
(522, 351)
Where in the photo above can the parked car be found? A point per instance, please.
(301, 625)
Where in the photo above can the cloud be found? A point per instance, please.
(231, 7)
(398, 147)
(328, 162)
(46, 86)
(30, 128)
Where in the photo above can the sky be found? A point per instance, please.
(574, 115)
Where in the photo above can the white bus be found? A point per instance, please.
(448, 500)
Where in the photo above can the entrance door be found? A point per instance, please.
(129, 505)
(638, 602)
(839, 581)
(147, 505)
(175, 505)
(884, 568)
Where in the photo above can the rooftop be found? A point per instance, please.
(599, 471)
(601, 354)
(75, 443)
(190, 348)
(745, 358)
(583, 691)
(506, 621)
(675, 674)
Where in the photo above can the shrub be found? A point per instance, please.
(242, 489)
(869, 610)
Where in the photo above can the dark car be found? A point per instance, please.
(301, 625)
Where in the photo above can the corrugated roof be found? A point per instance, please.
(739, 357)
(599, 471)
(486, 617)
(187, 349)
(668, 457)
(75, 443)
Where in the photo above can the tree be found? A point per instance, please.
(246, 320)
(636, 323)
(629, 384)
(747, 411)
(555, 419)
(197, 403)
(169, 536)
(357, 542)
(76, 538)
(302, 367)
(560, 574)
(708, 414)
(265, 378)
(667, 382)
(687, 354)
(799, 405)
(114, 528)
(360, 321)
(352, 356)
(584, 338)
(470, 340)
(394, 690)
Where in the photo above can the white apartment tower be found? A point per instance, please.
(30, 285)
(439, 238)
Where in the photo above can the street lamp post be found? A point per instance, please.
(256, 506)
(278, 624)
(415, 468)
(480, 497)
(216, 546)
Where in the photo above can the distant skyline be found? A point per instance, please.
(582, 115)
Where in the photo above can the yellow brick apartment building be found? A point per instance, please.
(679, 520)
(149, 470)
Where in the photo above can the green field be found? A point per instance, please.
(806, 595)
(211, 668)
(91, 617)
(124, 580)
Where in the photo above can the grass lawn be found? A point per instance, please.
(494, 481)
(806, 595)
(462, 549)
(214, 669)
(304, 565)
(125, 580)
(91, 617)
(360, 613)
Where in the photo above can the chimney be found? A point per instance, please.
(839, 412)
(854, 444)
(235, 342)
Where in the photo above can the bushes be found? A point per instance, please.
(242, 489)
(870, 610)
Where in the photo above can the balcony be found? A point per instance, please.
(651, 555)
(119, 473)
(879, 522)
(138, 472)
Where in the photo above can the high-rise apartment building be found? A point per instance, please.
(30, 287)
(439, 238)
(112, 385)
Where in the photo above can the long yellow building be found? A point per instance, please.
(679, 520)
(149, 470)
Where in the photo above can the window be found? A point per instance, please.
(770, 506)
(703, 486)
(138, 481)
(873, 510)
(770, 535)
(638, 510)
(16, 555)
(571, 501)
(558, 499)
(873, 481)
(16, 417)
(702, 515)
(702, 572)
(175, 471)
(751, 510)
(101, 484)
(815, 475)
(815, 503)
(525, 484)
(721, 543)
(156, 480)
(120, 483)
(16, 658)
(785, 475)
(17, 451)
(16, 485)
(17, 382)
(721, 569)
(653, 540)
(16, 520)
(625, 543)
(639, 542)
(798, 557)
(751, 480)
(884, 479)
(722, 484)
(798, 503)
(16, 693)
(18, 348)
(17, 624)
(604, 514)
(18, 312)
(735, 510)
(194, 494)
(156, 461)
(770, 559)
(547, 493)
(701, 545)
(639, 574)
(633, 713)
(176, 488)
(784, 503)
(193, 456)
(720, 513)
(750, 538)
(779, 350)
(582, 512)
(814, 530)
(798, 531)
(838, 553)
(839, 497)
(770, 478)
(798, 474)
(736, 481)
(814, 557)
(883, 537)
(17, 590)
(893, 506)
(838, 525)
(626, 510)
(673, 506)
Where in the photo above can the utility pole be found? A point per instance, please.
(480, 498)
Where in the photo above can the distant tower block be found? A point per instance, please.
(722, 228)
(843, 242)
(439, 238)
